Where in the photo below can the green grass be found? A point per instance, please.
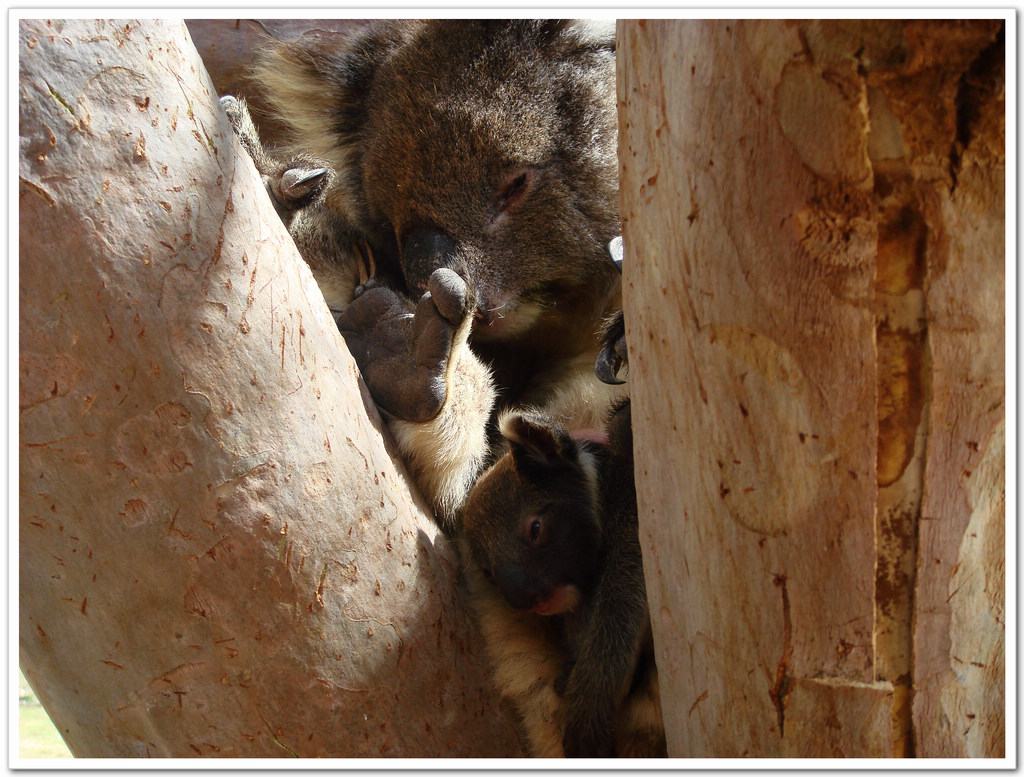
(37, 736)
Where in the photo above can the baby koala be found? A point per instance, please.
(554, 571)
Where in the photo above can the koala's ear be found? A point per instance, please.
(574, 36)
(536, 444)
(596, 33)
(318, 86)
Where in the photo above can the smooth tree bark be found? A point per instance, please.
(813, 215)
(219, 554)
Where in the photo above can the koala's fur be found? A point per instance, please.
(487, 147)
(476, 162)
(430, 126)
(297, 184)
(553, 563)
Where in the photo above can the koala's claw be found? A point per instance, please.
(300, 186)
(613, 354)
(606, 367)
(366, 266)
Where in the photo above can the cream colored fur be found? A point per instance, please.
(304, 101)
(446, 453)
(526, 660)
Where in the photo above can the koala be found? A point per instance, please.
(453, 186)
(475, 162)
(553, 565)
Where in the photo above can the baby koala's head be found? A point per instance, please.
(532, 520)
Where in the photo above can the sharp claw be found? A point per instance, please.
(365, 264)
(360, 267)
(606, 366)
(298, 178)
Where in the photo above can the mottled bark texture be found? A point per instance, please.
(218, 553)
(813, 215)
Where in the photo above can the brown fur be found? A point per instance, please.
(582, 678)
(487, 148)
(429, 125)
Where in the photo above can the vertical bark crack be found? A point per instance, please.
(902, 398)
(779, 692)
(975, 89)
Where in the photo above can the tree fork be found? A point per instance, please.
(219, 553)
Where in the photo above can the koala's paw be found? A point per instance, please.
(613, 354)
(295, 182)
(403, 356)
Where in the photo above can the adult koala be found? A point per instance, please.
(476, 160)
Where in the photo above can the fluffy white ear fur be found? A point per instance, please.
(516, 426)
(598, 31)
(302, 97)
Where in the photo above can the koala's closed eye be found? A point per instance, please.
(513, 190)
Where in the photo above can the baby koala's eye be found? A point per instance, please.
(533, 530)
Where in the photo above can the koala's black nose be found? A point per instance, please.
(515, 584)
(424, 251)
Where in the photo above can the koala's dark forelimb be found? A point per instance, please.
(613, 354)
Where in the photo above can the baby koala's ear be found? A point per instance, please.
(537, 444)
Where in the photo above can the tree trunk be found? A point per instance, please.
(813, 215)
(219, 554)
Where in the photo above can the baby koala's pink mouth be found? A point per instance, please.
(562, 599)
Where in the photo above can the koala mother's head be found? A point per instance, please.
(488, 147)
